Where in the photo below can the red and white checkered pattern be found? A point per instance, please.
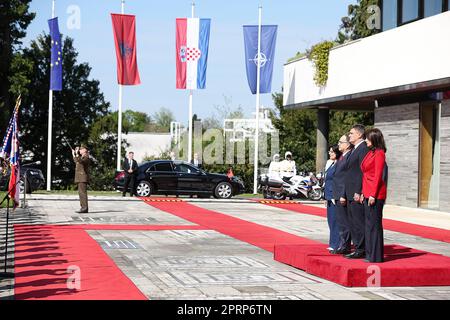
(193, 54)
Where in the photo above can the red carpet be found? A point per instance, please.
(403, 267)
(255, 234)
(44, 253)
(392, 225)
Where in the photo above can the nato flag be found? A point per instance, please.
(268, 40)
(56, 56)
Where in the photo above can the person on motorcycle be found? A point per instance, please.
(287, 167)
(274, 167)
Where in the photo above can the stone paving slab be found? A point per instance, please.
(204, 264)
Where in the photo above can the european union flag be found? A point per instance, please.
(56, 56)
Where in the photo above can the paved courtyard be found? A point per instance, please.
(206, 264)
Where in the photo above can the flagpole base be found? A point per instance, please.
(7, 275)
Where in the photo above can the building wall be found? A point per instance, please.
(444, 204)
(147, 144)
(400, 127)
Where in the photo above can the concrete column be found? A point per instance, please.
(323, 130)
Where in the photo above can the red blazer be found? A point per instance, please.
(372, 168)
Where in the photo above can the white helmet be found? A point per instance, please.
(288, 153)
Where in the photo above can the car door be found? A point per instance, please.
(190, 179)
(163, 176)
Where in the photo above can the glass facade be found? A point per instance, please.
(389, 14)
(410, 10)
(398, 12)
(432, 7)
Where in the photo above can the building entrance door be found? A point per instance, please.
(429, 155)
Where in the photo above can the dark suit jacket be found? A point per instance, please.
(339, 177)
(329, 175)
(354, 176)
(126, 166)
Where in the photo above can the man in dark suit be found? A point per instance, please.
(130, 167)
(196, 162)
(339, 196)
(353, 190)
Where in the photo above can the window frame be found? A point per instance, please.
(421, 13)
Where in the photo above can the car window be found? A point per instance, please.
(185, 168)
(165, 167)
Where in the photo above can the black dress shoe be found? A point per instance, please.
(342, 251)
(82, 211)
(356, 255)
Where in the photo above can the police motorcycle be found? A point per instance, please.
(299, 186)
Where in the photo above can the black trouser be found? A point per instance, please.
(374, 231)
(129, 181)
(345, 237)
(357, 225)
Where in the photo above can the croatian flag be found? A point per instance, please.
(192, 42)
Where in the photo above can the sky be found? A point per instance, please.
(301, 24)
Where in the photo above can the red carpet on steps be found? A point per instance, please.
(403, 267)
(43, 255)
(392, 225)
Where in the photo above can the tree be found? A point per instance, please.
(137, 121)
(358, 23)
(14, 19)
(75, 108)
(163, 118)
(297, 129)
(103, 138)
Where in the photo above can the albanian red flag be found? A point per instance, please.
(124, 27)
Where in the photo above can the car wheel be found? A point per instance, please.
(144, 189)
(223, 190)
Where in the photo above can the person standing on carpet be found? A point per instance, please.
(81, 158)
(374, 194)
(353, 190)
(330, 170)
(345, 239)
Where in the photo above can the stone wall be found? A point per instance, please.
(400, 127)
(444, 197)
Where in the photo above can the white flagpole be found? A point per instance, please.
(258, 80)
(190, 107)
(119, 129)
(50, 124)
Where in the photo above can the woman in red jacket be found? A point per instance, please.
(374, 194)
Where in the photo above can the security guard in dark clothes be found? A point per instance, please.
(81, 158)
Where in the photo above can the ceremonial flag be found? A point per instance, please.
(10, 148)
(192, 42)
(56, 56)
(124, 27)
(268, 40)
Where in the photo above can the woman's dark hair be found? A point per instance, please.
(375, 136)
(336, 150)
